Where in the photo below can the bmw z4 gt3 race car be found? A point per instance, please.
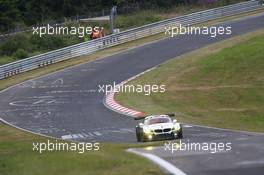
(158, 127)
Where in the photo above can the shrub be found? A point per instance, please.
(20, 54)
(10, 46)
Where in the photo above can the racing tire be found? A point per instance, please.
(180, 135)
(139, 138)
(139, 135)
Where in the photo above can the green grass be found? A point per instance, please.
(18, 158)
(138, 19)
(221, 85)
(143, 17)
(5, 60)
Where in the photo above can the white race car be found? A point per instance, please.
(158, 127)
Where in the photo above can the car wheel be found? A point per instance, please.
(139, 138)
(180, 135)
(139, 135)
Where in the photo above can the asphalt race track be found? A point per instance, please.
(245, 157)
(66, 104)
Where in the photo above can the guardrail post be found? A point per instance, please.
(112, 13)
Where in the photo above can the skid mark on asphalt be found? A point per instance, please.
(54, 86)
(98, 133)
(211, 134)
(30, 83)
(48, 86)
(54, 83)
(187, 126)
(58, 82)
(29, 102)
(88, 69)
(72, 91)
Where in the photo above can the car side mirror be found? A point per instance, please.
(174, 121)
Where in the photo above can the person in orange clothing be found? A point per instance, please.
(94, 34)
(97, 33)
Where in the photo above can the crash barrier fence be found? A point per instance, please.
(92, 46)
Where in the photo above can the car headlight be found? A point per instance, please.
(176, 126)
(147, 130)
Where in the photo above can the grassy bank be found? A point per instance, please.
(17, 157)
(220, 85)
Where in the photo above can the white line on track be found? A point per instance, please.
(159, 161)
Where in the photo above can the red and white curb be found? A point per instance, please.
(113, 105)
(110, 102)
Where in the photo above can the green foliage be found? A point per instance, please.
(20, 54)
(29, 12)
(137, 19)
(25, 45)
(11, 45)
(48, 42)
(5, 60)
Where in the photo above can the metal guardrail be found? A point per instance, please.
(89, 47)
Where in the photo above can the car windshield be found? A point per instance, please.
(157, 120)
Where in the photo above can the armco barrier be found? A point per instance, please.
(89, 47)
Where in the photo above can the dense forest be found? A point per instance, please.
(21, 13)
